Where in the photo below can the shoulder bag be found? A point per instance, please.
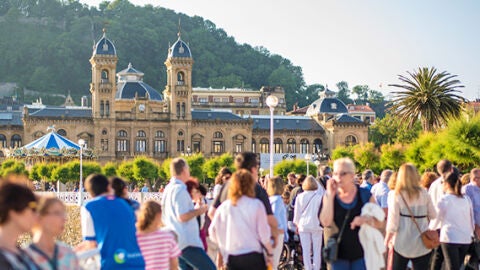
(430, 238)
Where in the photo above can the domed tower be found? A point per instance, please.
(178, 91)
(104, 64)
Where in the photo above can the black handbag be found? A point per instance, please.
(330, 250)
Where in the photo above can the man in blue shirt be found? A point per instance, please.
(109, 223)
(472, 190)
(180, 215)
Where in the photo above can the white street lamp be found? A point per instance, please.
(272, 102)
(308, 157)
(81, 143)
(317, 163)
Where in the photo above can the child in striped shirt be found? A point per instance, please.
(159, 247)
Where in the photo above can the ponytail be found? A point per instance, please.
(453, 181)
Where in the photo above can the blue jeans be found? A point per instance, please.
(195, 258)
(349, 265)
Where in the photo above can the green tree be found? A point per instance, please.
(417, 152)
(390, 130)
(287, 166)
(429, 96)
(212, 166)
(361, 93)
(343, 92)
(145, 170)
(195, 162)
(109, 169)
(12, 166)
(392, 156)
(342, 151)
(62, 173)
(366, 156)
(125, 170)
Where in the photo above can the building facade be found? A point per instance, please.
(129, 118)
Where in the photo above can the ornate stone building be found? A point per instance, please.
(128, 117)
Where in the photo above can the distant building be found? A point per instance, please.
(362, 112)
(128, 118)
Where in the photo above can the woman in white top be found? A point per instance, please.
(305, 217)
(455, 216)
(240, 228)
(402, 232)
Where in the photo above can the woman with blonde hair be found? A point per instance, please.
(240, 228)
(274, 191)
(341, 212)
(159, 247)
(46, 251)
(305, 217)
(402, 233)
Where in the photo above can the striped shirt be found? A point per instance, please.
(158, 248)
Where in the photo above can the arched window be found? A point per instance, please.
(278, 145)
(104, 76)
(183, 109)
(291, 146)
(317, 146)
(141, 133)
(304, 146)
(178, 109)
(217, 135)
(122, 133)
(180, 78)
(104, 132)
(159, 134)
(350, 140)
(264, 145)
(62, 132)
(122, 142)
(254, 146)
(3, 141)
(16, 141)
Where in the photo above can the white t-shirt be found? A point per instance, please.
(436, 193)
(455, 218)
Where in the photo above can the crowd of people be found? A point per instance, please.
(343, 220)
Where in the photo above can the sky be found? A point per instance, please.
(368, 42)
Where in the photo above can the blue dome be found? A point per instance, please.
(327, 105)
(129, 90)
(179, 49)
(104, 46)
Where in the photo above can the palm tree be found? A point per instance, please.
(428, 96)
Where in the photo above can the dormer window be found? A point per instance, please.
(334, 106)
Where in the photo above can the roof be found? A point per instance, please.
(327, 105)
(345, 118)
(130, 70)
(180, 49)
(359, 108)
(282, 122)
(129, 90)
(52, 140)
(104, 47)
(51, 111)
(214, 115)
(299, 111)
(11, 118)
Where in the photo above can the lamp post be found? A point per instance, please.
(81, 143)
(308, 157)
(317, 163)
(272, 102)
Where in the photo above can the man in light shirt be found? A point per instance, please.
(180, 215)
(380, 190)
(472, 190)
(435, 191)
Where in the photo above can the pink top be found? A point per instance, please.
(158, 248)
